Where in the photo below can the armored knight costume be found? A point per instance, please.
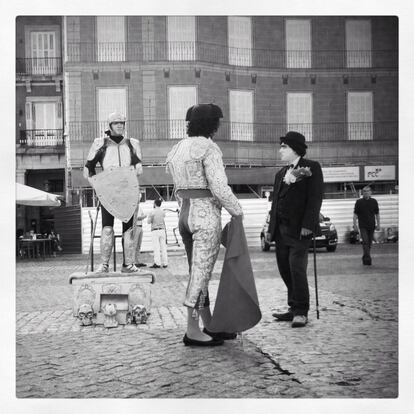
(201, 188)
(111, 151)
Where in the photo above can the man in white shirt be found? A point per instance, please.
(159, 242)
(139, 233)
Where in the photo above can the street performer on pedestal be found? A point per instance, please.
(117, 188)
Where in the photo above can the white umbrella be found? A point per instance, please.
(30, 196)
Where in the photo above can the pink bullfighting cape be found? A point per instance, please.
(237, 306)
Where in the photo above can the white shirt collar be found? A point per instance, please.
(295, 162)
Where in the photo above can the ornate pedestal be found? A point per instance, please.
(111, 298)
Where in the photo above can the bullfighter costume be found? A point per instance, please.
(119, 151)
(201, 187)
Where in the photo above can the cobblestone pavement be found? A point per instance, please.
(351, 351)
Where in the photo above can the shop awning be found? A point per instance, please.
(30, 196)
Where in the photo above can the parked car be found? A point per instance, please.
(328, 239)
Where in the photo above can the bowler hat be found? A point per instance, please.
(296, 141)
(203, 111)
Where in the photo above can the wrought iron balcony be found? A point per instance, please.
(151, 130)
(84, 52)
(39, 66)
(41, 138)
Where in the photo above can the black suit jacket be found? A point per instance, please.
(297, 204)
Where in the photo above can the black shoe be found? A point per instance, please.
(193, 342)
(155, 266)
(165, 266)
(286, 316)
(221, 335)
(367, 262)
(140, 265)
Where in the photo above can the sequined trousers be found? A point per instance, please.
(200, 230)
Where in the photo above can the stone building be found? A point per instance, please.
(40, 149)
(333, 78)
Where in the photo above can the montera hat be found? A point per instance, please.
(203, 111)
(296, 141)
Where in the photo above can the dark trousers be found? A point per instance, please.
(367, 236)
(108, 221)
(292, 261)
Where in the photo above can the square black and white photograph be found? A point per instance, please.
(207, 208)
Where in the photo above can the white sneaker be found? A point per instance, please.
(130, 269)
(299, 321)
(103, 268)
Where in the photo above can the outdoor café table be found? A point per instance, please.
(36, 245)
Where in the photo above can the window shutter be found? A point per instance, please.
(241, 115)
(360, 116)
(29, 116)
(180, 99)
(110, 38)
(299, 111)
(240, 40)
(181, 37)
(358, 43)
(298, 43)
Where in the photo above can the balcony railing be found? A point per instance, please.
(39, 66)
(247, 132)
(41, 138)
(84, 52)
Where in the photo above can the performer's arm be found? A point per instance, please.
(314, 200)
(355, 218)
(93, 158)
(217, 180)
(137, 149)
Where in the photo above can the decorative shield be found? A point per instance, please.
(118, 190)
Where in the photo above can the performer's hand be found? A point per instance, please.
(378, 228)
(268, 237)
(305, 232)
(356, 228)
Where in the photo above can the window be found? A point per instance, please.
(180, 99)
(240, 41)
(298, 43)
(43, 53)
(181, 37)
(110, 35)
(360, 116)
(110, 100)
(241, 115)
(358, 43)
(299, 113)
(43, 121)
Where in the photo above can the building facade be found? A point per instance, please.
(40, 150)
(333, 78)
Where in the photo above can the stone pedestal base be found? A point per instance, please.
(112, 298)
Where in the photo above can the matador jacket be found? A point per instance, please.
(197, 163)
(108, 153)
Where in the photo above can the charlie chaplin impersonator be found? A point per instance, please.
(294, 218)
(117, 188)
(201, 188)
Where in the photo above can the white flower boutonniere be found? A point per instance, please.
(296, 175)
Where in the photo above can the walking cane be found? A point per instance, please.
(316, 278)
(92, 237)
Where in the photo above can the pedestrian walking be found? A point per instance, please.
(196, 166)
(366, 221)
(140, 216)
(294, 219)
(115, 151)
(158, 232)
